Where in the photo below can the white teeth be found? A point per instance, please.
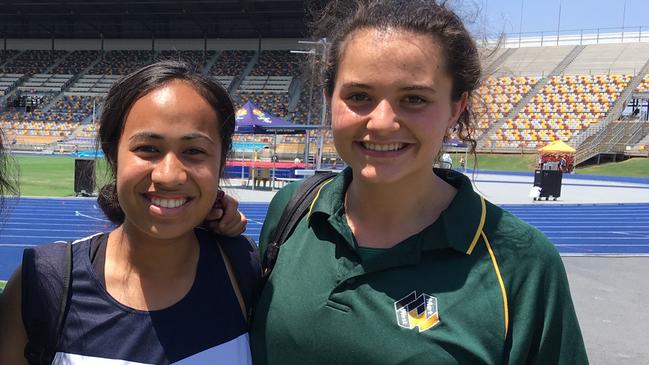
(168, 203)
(383, 147)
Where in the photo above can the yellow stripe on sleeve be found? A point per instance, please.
(500, 282)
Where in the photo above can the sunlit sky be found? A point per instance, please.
(504, 16)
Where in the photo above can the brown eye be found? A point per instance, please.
(145, 149)
(194, 152)
(358, 97)
(415, 99)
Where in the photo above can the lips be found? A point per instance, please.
(167, 202)
(383, 147)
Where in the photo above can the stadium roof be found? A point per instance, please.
(152, 18)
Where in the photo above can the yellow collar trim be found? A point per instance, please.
(483, 216)
(317, 196)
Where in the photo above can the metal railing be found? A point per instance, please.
(575, 37)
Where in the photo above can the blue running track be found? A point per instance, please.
(595, 229)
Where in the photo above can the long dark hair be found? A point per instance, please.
(125, 92)
(340, 18)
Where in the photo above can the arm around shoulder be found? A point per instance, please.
(13, 337)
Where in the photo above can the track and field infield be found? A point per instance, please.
(588, 229)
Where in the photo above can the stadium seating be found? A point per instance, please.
(644, 85)
(76, 62)
(275, 104)
(564, 107)
(121, 62)
(197, 59)
(93, 84)
(77, 104)
(278, 63)
(32, 62)
(231, 63)
(63, 86)
(39, 127)
(8, 82)
(269, 82)
(45, 83)
(496, 97)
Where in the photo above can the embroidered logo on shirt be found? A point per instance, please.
(417, 311)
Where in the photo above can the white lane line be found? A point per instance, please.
(633, 234)
(79, 214)
(82, 230)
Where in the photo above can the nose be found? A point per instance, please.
(383, 117)
(169, 171)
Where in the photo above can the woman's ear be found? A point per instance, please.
(457, 108)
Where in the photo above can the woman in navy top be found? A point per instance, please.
(156, 289)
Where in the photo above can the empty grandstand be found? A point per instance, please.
(591, 94)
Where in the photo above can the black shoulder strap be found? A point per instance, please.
(243, 255)
(46, 281)
(293, 212)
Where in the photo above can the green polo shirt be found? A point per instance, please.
(478, 286)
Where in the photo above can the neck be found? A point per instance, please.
(383, 214)
(132, 251)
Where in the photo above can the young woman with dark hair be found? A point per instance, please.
(397, 263)
(157, 289)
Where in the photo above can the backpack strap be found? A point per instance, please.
(234, 282)
(46, 281)
(292, 214)
(241, 259)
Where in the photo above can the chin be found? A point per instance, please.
(380, 175)
(169, 232)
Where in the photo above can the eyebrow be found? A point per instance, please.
(151, 135)
(418, 88)
(405, 88)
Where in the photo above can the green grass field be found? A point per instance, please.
(54, 175)
(633, 167)
(49, 175)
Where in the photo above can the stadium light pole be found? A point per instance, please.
(313, 54)
(559, 23)
(623, 19)
(520, 25)
(321, 49)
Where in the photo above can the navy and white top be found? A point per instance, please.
(204, 327)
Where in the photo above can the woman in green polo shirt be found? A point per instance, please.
(396, 263)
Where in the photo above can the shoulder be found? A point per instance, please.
(46, 269)
(510, 233)
(523, 252)
(281, 199)
(241, 250)
(275, 210)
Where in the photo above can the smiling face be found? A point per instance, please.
(168, 162)
(391, 104)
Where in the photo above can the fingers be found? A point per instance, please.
(230, 227)
(225, 217)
